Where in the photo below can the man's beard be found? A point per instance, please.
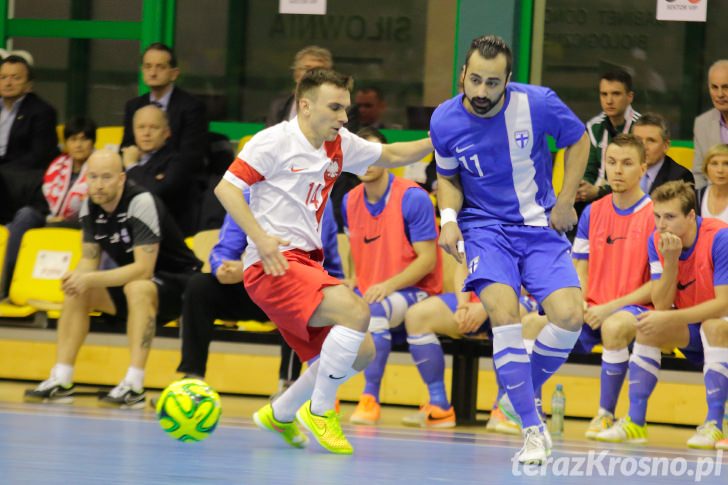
(486, 104)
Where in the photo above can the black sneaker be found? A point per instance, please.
(124, 397)
(51, 391)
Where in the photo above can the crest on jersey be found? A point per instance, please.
(332, 171)
(521, 138)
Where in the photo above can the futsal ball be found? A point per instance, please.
(189, 410)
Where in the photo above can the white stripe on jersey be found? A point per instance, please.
(448, 163)
(581, 246)
(656, 268)
(518, 119)
(239, 183)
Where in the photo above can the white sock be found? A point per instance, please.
(338, 354)
(286, 405)
(135, 378)
(63, 372)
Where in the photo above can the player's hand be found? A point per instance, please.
(586, 192)
(378, 292)
(230, 272)
(670, 246)
(274, 263)
(563, 217)
(74, 283)
(469, 317)
(451, 241)
(594, 316)
(653, 322)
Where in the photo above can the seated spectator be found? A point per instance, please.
(63, 191)
(389, 221)
(28, 140)
(368, 110)
(652, 131)
(221, 294)
(185, 113)
(713, 198)
(154, 265)
(455, 315)
(689, 269)
(284, 108)
(610, 256)
(711, 127)
(153, 163)
(617, 116)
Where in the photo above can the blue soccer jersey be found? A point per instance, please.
(504, 162)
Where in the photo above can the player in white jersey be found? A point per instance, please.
(494, 168)
(290, 169)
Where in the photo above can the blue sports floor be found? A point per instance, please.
(77, 444)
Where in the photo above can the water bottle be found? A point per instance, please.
(558, 405)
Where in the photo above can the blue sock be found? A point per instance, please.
(644, 367)
(513, 367)
(614, 369)
(551, 349)
(375, 370)
(427, 354)
(715, 374)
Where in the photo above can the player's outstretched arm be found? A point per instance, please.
(563, 215)
(450, 200)
(404, 153)
(232, 199)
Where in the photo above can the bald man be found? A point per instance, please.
(156, 165)
(153, 265)
(711, 127)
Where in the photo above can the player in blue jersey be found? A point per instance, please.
(495, 195)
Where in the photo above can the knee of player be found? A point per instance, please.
(366, 354)
(416, 320)
(716, 332)
(618, 330)
(569, 317)
(140, 292)
(360, 315)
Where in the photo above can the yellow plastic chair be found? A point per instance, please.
(202, 245)
(45, 255)
(682, 155)
(242, 143)
(109, 137)
(557, 178)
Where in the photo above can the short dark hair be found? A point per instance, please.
(654, 119)
(15, 59)
(489, 46)
(618, 75)
(629, 140)
(80, 124)
(314, 78)
(369, 132)
(158, 46)
(372, 89)
(677, 189)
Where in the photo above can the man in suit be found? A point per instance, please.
(283, 107)
(711, 127)
(156, 165)
(28, 140)
(652, 130)
(186, 114)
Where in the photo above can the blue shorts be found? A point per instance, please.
(590, 337)
(694, 350)
(537, 258)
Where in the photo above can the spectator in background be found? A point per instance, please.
(153, 267)
(156, 165)
(186, 114)
(283, 108)
(652, 131)
(711, 127)
(713, 198)
(28, 140)
(617, 116)
(64, 189)
(368, 110)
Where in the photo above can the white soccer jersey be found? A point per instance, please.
(290, 180)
